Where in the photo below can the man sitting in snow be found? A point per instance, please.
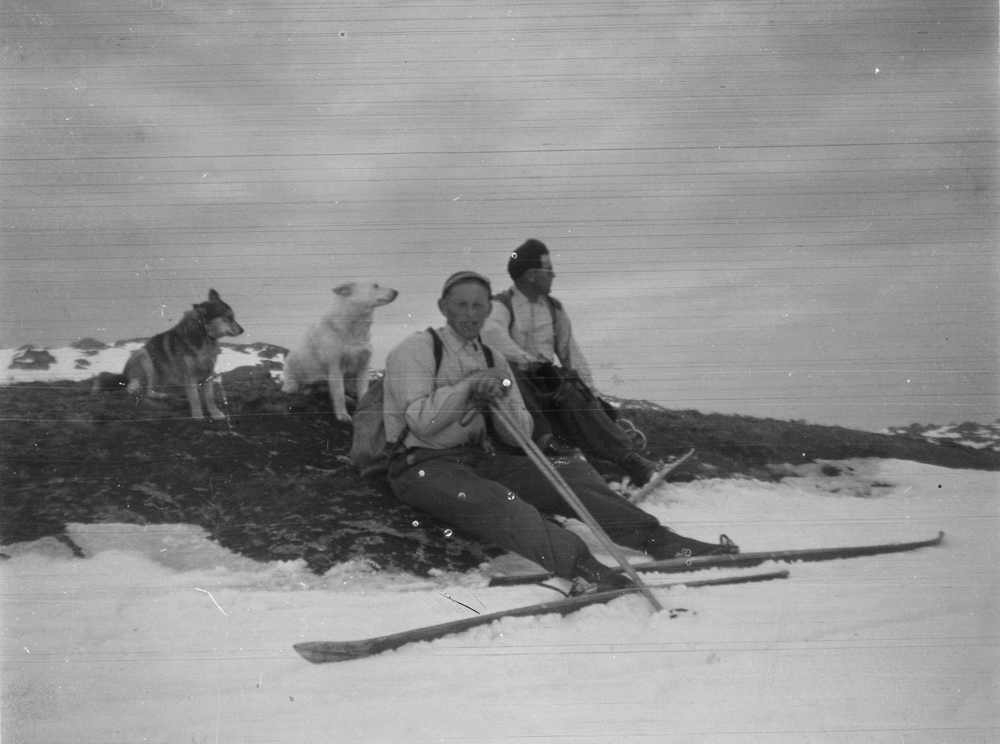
(458, 465)
(533, 332)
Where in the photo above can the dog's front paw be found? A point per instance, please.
(217, 415)
(344, 417)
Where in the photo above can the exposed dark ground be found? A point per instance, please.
(273, 482)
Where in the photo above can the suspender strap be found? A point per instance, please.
(438, 354)
(438, 345)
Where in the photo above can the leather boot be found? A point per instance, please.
(666, 543)
(595, 576)
(638, 468)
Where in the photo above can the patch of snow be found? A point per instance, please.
(162, 635)
(967, 434)
(75, 364)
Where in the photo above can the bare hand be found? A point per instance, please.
(488, 384)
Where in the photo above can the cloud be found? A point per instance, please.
(730, 185)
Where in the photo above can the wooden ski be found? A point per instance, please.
(745, 560)
(321, 652)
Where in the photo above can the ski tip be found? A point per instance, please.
(325, 652)
(659, 478)
(307, 652)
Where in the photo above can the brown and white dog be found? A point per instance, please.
(181, 357)
(339, 346)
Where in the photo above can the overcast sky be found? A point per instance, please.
(784, 209)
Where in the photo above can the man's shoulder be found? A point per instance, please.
(414, 344)
(505, 297)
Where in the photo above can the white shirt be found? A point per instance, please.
(531, 335)
(433, 407)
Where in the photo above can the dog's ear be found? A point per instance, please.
(344, 290)
(213, 296)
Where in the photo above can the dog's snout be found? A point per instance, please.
(385, 295)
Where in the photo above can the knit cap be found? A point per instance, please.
(527, 256)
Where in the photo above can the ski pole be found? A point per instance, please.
(560, 484)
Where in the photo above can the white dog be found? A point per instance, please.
(339, 345)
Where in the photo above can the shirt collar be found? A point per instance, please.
(457, 342)
(524, 298)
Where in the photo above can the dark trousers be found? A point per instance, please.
(499, 498)
(561, 404)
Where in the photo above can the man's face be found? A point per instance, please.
(541, 279)
(466, 307)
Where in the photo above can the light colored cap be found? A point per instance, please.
(465, 276)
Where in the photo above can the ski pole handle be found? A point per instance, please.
(506, 382)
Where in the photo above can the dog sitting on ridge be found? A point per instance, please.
(339, 345)
(182, 357)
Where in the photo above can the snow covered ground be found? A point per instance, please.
(159, 635)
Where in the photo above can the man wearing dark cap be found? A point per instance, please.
(533, 332)
(455, 464)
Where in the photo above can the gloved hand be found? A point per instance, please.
(531, 368)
